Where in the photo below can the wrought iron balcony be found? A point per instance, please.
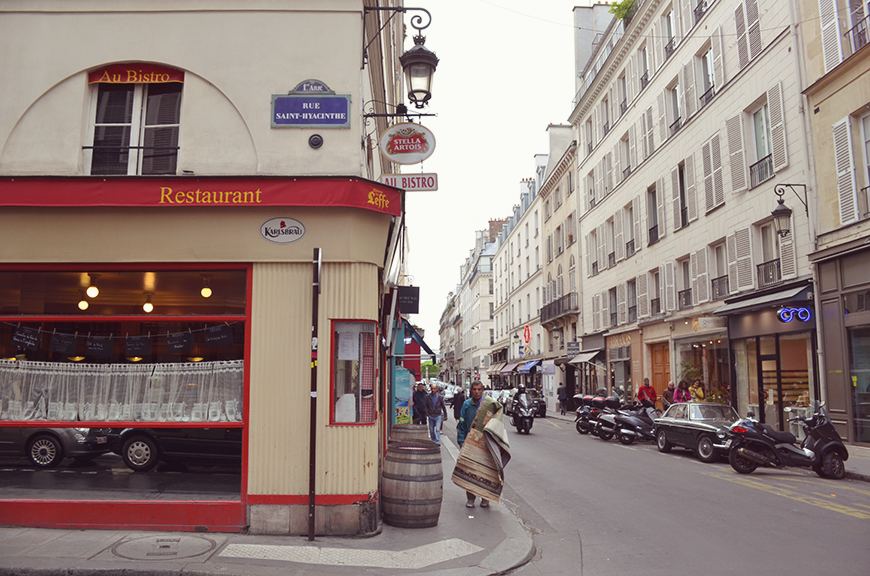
(589, 148)
(644, 80)
(708, 95)
(700, 9)
(612, 319)
(595, 268)
(684, 299)
(623, 106)
(611, 260)
(858, 35)
(629, 248)
(669, 48)
(655, 306)
(606, 128)
(676, 125)
(769, 273)
(719, 287)
(567, 304)
(761, 171)
(653, 235)
(626, 172)
(684, 217)
(632, 314)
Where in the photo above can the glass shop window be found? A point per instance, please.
(353, 373)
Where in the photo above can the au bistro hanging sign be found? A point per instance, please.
(407, 143)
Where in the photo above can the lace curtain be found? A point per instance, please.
(183, 392)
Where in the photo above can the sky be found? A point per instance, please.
(506, 72)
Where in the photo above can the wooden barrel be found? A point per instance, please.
(412, 484)
(409, 433)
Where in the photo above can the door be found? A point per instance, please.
(661, 367)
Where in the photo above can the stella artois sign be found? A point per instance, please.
(407, 143)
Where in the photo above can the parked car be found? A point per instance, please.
(698, 426)
(143, 448)
(47, 447)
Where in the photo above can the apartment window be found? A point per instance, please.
(858, 19)
(762, 169)
(673, 94)
(622, 94)
(684, 296)
(625, 156)
(628, 230)
(655, 290)
(708, 77)
(572, 275)
(681, 208)
(590, 141)
(570, 182)
(491, 310)
(719, 283)
(769, 271)
(611, 296)
(631, 286)
(610, 231)
(136, 129)
(605, 116)
(547, 209)
(590, 187)
(652, 214)
(527, 234)
(592, 252)
(558, 196)
(668, 29)
(642, 67)
(536, 223)
(537, 258)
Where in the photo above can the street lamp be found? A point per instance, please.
(782, 213)
(419, 64)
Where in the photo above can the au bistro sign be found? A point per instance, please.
(282, 230)
(411, 182)
(407, 143)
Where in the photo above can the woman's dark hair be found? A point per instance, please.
(683, 384)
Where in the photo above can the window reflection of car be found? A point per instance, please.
(47, 447)
(695, 426)
(143, 448)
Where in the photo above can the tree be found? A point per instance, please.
(623, 9)
(433, 369)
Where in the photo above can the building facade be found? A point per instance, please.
(154, 170)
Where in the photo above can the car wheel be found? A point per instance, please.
(832, 465)
(45, 451)
(140, 453)
(740, 463)
(705, 451)
(662, 442)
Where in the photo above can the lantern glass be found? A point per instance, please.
(782, 219)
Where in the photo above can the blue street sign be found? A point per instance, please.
(310, 111)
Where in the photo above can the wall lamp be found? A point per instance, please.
(418, 63)
(92, 290)
(782, 213)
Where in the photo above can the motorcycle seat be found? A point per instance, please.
(786, 437)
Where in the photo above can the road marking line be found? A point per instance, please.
(786, 493)
(551, 422)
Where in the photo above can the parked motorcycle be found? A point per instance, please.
(753, 444)
(605, 426)
(586, 413)
(637, 423)
(522, 413)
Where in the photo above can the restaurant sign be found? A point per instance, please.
(282, 230)
(311, 105)
(407, 143)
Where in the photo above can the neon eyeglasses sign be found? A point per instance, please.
(790, 314)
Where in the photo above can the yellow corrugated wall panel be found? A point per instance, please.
(281, 376)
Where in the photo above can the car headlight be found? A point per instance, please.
(79, 437)
(721, 434)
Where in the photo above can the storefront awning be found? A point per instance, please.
(495, 368)
(422, 344)
(762, 301)
(527, 367)
(548, 367)
(585, 356)
(508, 369)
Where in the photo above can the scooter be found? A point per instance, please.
(522, 414)
(605, 426)
(586, 414)
(753, 444)
(637, 424)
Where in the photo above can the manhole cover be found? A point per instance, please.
(164, 547)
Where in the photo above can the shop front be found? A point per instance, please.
(700, 350)
(196, 318)
(773, 341)
(624, 363)
(844, 305)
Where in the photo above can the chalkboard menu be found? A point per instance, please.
(179, 343)
(218, 336)
(99, 346)
(137, 346)
(63, 343)
(27, 338)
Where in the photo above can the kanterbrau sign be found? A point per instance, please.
(135, 74)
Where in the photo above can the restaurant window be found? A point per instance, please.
(135, 129)
(353, 373)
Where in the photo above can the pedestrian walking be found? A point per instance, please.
(436, 411)
(418, 404)
(458, 401)
(562, 395)
(466, 420)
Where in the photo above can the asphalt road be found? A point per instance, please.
(599, 508)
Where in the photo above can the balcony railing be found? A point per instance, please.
(612, 319)
(644, 80)
(632, 314)
(567, 304)
(654, 234)
(629, 248)
(623, 106)
(719, 287)
(626, 172)
(858, 35)
(595, 268)
(606, 128)
(677, 124)
(700, 9)
(707, 96)
(589, 147)
(761, 171)
(684, 298)
(769, 273)
(866, 192)
(669, 48)
(611, 260)
(655, 306)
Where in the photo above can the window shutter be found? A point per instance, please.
(675, 197)
(620, 238)
(691, 196)
(596, 127)
(662, 122)
(787, 261)
(636, 208)
(703, 289)
(688, 90)
(591, 250)
(617, 173)
(693, 268)
(731, 253)
(656, 56)
(776, 109)
(845, 163)
(753, 26)
(596, 312)
(602, 247)
(670, 286)
(832, 47)
(734, 132)
(630, 78)
(621, 305)
(631, 161)
(661, 205)
(718, 67)
(605, 309)
(649, 131)
(608, 173)
(742, 41)
(716, 158)
(708, 176)
(740, 257)
(687, 16)
(642, 296)
(643, 140)
(598, 177)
